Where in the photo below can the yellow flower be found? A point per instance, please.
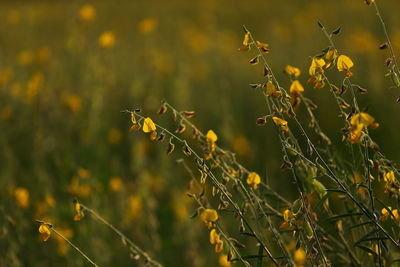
(83, 173)
(279, 121)
(223, 261)
(389, 177)
(219, 246)
(78, 211)
(246, 39)
(299, 257)
(396, 214)
(316, 66)
(87, 13)
(363, 118)
(344, 63)
(270, 89)
(292, 71)
(211, 138)
(135, 207)
(385, 214)
(296, 87)
(214, 237)
(148, 125)
(287, 215)
(357, 124)
(107, 39)
(114, 136)
(208, 216)
(44, 230)
(253, 179)
(115, 184)
(22, 196)
(147, 25)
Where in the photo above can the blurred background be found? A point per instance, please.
(67, 69)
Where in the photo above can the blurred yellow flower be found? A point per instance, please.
(223, 261)
(72, 102)
(208, 216)
(389, 177)
(287, 215)
(5, 76)
(45, 232)
(83, 173)
(148, 125)
(296, 87)
(78, 211)
(279, 121)
(34, 85)
(299, 257)
(344, 63)
(241, 146)
(22, 197)
(6, 112)
(25, 57)
(114, 136)
(87, 12)
(211, 138)
(253, 179)
(107, 39)
(147, 25)
(214, 237)
(135, 207)
(115, 184)
(62, 246)
(292, 71)
(358, 122)
(43, 54)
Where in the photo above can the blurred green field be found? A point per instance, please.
(66, 73)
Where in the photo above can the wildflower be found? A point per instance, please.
(214, 237)
(282, 123)
(385, 213)
(376, 249)
(147, 25)
(148, 125)
(219, 246)
(344, 63)
(83, 173)
(270, 89)
(115, 184)
(316, 70)
(44, 230)
(211, 138)
(22, 196)
(87, 13)
(208, 216)
(223, 260)
(330, 57)
(135, 207)
(389, 177)
(287, 215)
(296, 87)
(246, 42)
(114, 136)
(78, 211)
(292, 71)
(73, 102)
(263, 46)
(316, 66)
(253, 179)
(299, 257)
(25, 57)
(358, 122)
(107, 39)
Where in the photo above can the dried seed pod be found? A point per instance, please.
(135, 127)
(171, 146)
(261, 121)
(186, 150)
(181, 128)
(161, 137)
(189, 114)
(254, 61)
(383, 46)
(163, 109)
